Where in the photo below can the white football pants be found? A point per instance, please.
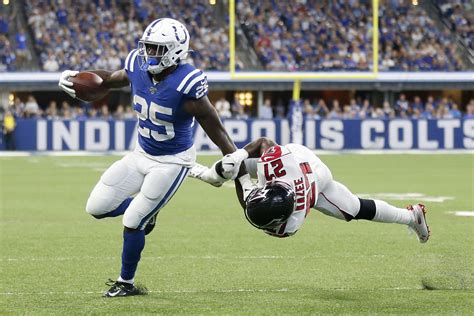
(154, 180)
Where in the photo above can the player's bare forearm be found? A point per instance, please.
(207, 117)
(259, 146)
(113, 79)
(240, 194)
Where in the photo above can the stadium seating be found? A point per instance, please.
(99, 34)
(459, 15)
(302, 36)
(337, 35)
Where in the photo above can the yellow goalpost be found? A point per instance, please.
(298, 76)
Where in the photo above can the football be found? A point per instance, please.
(88, 86)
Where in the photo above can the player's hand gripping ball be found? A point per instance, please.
(86, 86)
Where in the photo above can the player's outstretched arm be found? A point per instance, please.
(207, 116)
(111, 79)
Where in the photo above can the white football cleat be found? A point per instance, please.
(419, 225)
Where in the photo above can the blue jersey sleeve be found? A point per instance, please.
(131, 62)
(194, 85)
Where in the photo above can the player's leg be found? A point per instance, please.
(158, 188)
(336, 200)
(111, 195)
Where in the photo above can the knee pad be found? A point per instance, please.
(99, 201)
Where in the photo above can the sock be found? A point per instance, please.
(387, 213)
(118, 211)
(125, 281)
(133, 244)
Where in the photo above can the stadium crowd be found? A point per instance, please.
(99, 34)
(459, 15)
(288, 36)
(357, 108)
(337, 35)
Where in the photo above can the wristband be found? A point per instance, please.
(240, 154)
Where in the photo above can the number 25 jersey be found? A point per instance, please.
(164, 127)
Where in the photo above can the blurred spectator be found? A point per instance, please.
(402, 106)
(238, 110)
(18, 107)
(429, 112)
(7, 54)
(9, 125)
(223, 108)
(388, 111)
(78, 114)
(470, 110)
(51, 63)
(52, 111)
(104, 113)
(335, 112)
(32, 109)
(22, 54)
(321, 109)
(308, 110)
(266, 111)
(417, 104)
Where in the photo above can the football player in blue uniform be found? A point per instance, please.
(167, 96)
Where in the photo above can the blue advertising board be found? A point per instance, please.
(104, 135)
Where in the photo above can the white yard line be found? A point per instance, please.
(463, 213)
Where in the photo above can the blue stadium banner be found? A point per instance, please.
(399, 134)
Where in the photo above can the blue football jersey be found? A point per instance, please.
(164, 127)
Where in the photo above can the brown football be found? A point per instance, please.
(88, 86)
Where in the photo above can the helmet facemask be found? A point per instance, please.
(155, 56)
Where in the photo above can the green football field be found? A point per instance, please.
(204, 258)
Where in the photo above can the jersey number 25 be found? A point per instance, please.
(150, 112)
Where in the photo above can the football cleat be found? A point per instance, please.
(118, 289)
(419, 225)
(151, 224)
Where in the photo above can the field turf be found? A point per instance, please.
(204, 258)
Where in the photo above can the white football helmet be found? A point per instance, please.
(163, 44)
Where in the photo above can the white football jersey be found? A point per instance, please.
(291, 164)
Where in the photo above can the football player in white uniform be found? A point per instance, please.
(168, 95)
(291, 181)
